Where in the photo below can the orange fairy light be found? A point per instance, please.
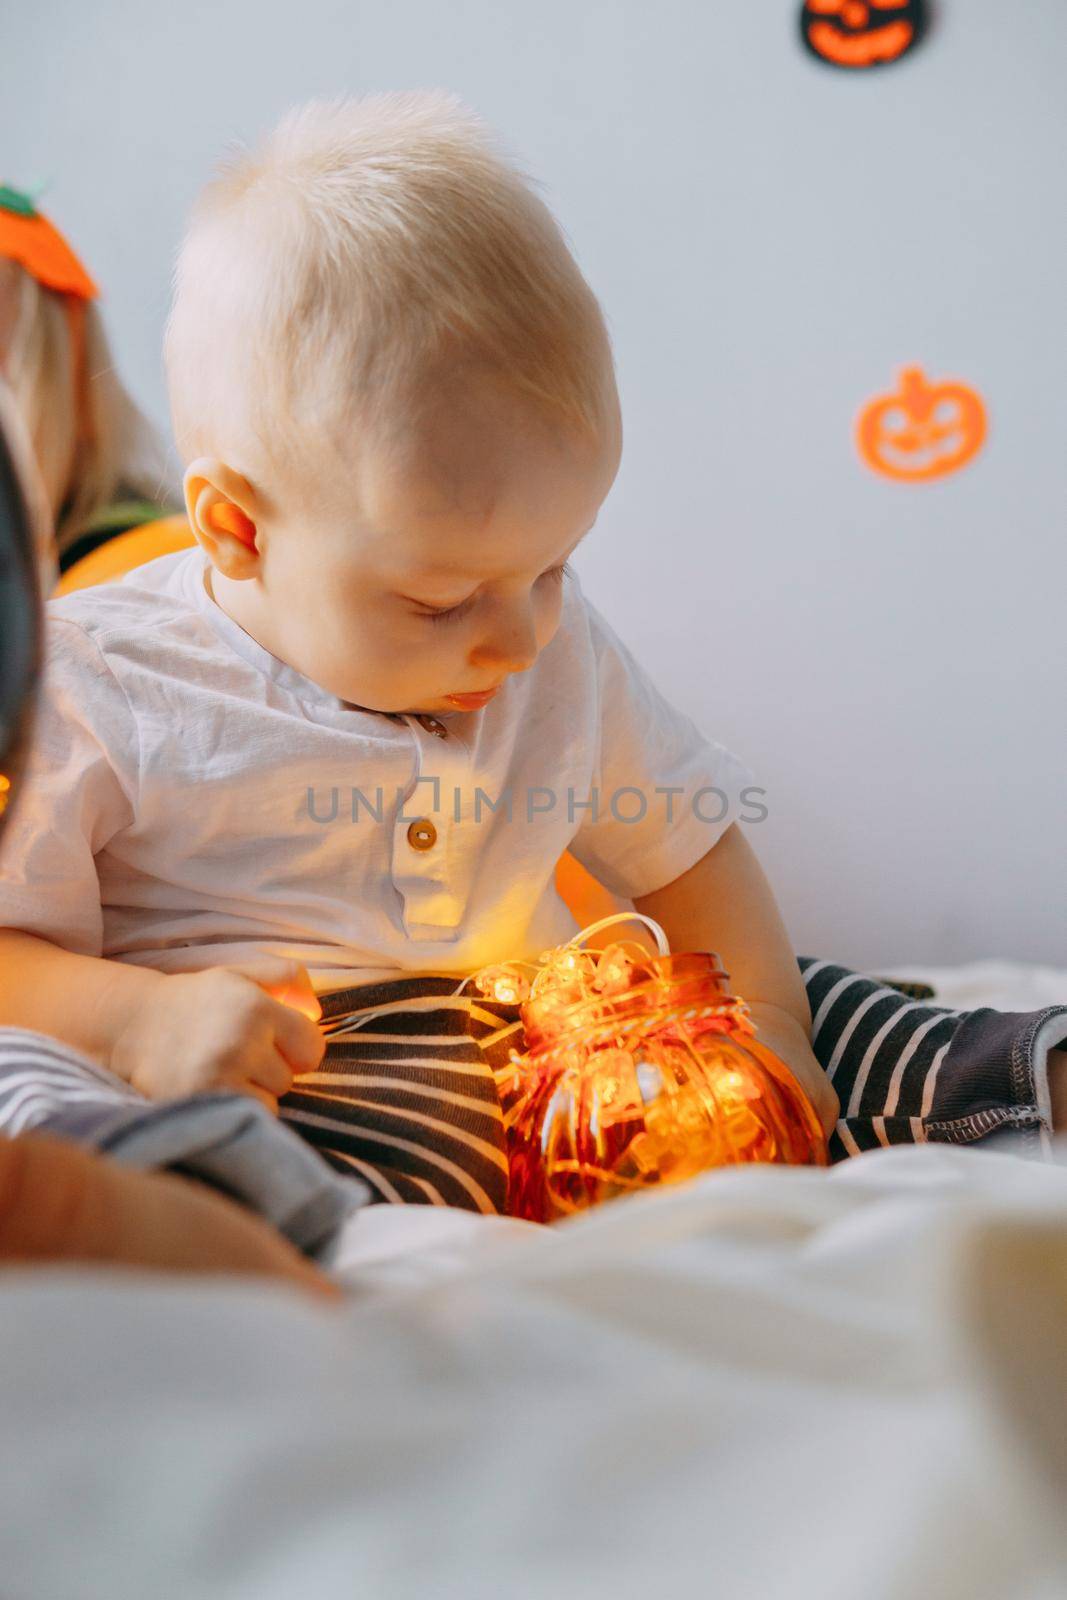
(639, 1070)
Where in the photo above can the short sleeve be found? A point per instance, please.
(665, 793)
(74, 796)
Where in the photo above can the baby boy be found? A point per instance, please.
(351, 732)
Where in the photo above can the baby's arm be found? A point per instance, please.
(59, 1202)
(249, 1028)
(166, 1035)
(724, 903)
(1057, 1087)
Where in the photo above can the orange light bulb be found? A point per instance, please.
(650, 1076)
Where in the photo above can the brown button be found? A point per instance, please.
(422, 835)
(432, 725)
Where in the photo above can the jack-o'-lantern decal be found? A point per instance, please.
(923, 431)
(862, 33)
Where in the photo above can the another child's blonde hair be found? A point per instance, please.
(88, 461)
(32, 489)
(367, 242)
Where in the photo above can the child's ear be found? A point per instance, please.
(221, 507)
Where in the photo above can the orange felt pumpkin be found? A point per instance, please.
(923, 431)
(861, 33)
(26, 236)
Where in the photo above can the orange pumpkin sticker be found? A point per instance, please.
(861, 33)
(923, 431)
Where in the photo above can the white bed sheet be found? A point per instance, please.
(770, 1383)
(1005, 985)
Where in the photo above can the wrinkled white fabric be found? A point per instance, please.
(1004, 985)
(773, 1382)
(193, 801)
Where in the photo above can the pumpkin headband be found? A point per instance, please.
(30, 239)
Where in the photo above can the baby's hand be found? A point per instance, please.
(248, 1028)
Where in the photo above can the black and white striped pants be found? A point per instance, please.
(406, 1095)
(406, 1099)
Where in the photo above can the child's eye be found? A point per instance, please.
(450, 613)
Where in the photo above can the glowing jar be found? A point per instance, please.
(652, 1083)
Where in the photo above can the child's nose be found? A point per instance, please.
(511, 646)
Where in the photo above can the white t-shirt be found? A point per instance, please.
(192, 800)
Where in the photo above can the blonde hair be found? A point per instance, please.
(367, 242)
(31, 486)
(85, 463)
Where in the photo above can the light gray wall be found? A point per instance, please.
(771, 241)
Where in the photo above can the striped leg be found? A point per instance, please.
(405, 1096)
(907, 1071)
